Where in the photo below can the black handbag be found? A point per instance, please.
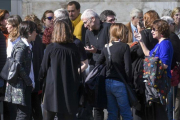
(95, 87)
(10, 70)
(131, 93)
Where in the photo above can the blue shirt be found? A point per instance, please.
(133, 28)
(165, 53)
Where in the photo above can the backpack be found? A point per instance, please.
(157, 83)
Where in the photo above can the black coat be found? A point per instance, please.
(176, 46)
(38, 52)
(3, 57)
(60, 67)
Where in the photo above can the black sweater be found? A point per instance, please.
(97, 38)
(176, 46)
(120, 55)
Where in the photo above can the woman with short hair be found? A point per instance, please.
(60, 69)
(117, 96)
(19, 94)
(164, 51)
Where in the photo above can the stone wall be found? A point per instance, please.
(122, 8)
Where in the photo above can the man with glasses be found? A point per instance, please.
(136, 19)
(96, 37)
(108, 16)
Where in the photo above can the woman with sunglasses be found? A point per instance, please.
(19, 94)
(47, 19)
(176, 58)
(164, 50)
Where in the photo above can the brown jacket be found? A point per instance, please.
(130, 34)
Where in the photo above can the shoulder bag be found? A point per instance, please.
(10, 70)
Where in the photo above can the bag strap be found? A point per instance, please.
(153, 54)
(117, 70)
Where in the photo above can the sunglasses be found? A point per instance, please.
(49, 18)
(154, 29)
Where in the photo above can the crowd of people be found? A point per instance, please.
(57, 52)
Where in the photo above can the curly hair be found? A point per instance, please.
(162, 27)
(14, 20)
(36, 20)
(150, 17)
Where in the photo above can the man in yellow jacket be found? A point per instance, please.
(73, 8)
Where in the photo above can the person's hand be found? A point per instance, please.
(91, 50)
(137, 36)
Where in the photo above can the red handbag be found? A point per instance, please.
(175, 73)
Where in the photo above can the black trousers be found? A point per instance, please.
(48, 115)
(36, 107)
(24, 112)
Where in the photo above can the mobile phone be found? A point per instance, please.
(141, 24)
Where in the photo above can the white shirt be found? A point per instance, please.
(31, 74)
(10, 46)
(133, 28)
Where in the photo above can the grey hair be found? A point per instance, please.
(88, 13)
(61, 13)
(135, 12)
(168, 19)
(166, 12)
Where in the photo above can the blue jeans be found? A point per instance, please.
(117, 97)
(170, 102)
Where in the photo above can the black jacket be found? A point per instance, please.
(97, 38)
(60, 67)
(38, 52)
(3, 57)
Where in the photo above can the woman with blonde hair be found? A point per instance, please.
(115, 88)
(60, 68)
(176, 17)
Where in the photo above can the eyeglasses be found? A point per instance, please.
(86, 21)
(140, 18)
(154, 29)
(173, 24)
(112, 20)
(49, 18)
